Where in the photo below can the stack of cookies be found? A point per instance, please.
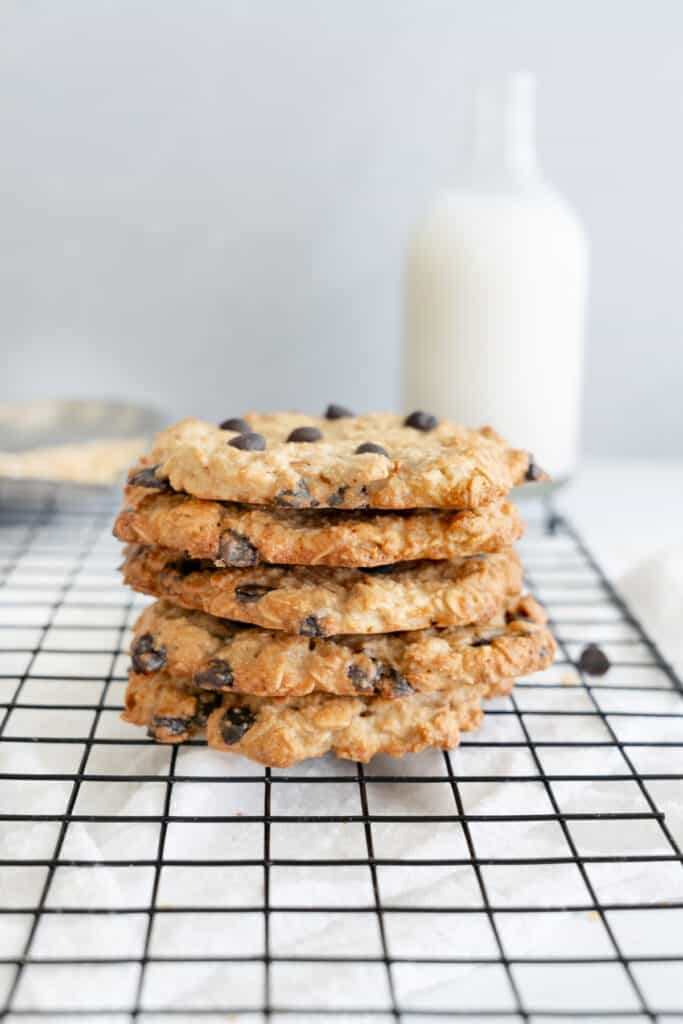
(344, 583)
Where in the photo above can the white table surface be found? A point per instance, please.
(627, 509)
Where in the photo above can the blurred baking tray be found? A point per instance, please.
(50, 423)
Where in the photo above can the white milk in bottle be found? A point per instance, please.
(495, 292)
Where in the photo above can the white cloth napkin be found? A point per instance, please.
(654, 591)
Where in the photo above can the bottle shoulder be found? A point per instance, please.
(492, 207)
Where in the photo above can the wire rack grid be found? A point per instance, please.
(533, 874)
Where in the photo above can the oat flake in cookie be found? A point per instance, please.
(297, 461)
(227, 656)
(318, 601)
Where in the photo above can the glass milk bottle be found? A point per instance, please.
(495, 291)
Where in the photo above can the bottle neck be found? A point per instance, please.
(503, 142)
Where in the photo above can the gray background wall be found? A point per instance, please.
(204, 204)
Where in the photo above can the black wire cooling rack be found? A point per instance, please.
(543, 880)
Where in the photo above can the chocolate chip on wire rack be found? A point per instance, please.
(337, 412)
(593, 661)
(421, 420)
(305, 435)
(235, 423)
(370, 448)
(249, 442)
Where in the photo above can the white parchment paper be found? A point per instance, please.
(526, 867)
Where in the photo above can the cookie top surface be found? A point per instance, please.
(245, 535)
(318, 601)
(227, 656)
(293, 460)
(283, 732)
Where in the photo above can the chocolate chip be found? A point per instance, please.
(236, 722)
(359, 678)
(421, 420)
(337, 412)
(146, 657)
(338, 497)
(237, 424)
(250, 593)
(371, 447)
(533, 472)
(295, 498)
(249, 442)
(310, 627)
(169, 725)
(305, 434)
(401, 687)
(593, 661)
(207, 702)
(236, 549)
(148, 478)
(216, 676)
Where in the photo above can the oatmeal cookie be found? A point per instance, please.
(227, 656)
(245, 535)
(280, 732)
(381, 461)
(318, 601)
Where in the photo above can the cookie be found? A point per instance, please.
(245, 535)
(281, 732)
(317, 601)
(227, 656)
(376, 461)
